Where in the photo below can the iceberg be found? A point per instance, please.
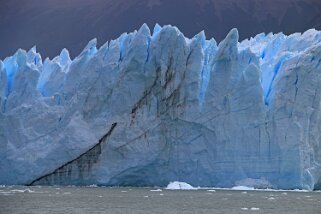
(150, 108)
(176, 185)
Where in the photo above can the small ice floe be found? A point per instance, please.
(211, 190)
(284, 193)
(244, 192)
(176, 185)
(242, 188)
(255, 208)
(155, 190)
(244, 208)
(299, 190)
(254, 183)
(307, 196)
(123, 191)
(161, 194)
(145, 196)
(22, 191)
(271, 198)
(29, 190)
(99, 196)
(93, 185)
(17, 191)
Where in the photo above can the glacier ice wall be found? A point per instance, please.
(150, 108)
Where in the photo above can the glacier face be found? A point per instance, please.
(150, 108)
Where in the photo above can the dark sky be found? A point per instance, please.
(55, 24)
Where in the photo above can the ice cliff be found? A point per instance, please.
(150, 108)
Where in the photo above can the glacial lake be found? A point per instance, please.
(20, 199)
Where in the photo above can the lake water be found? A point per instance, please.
(146, 200)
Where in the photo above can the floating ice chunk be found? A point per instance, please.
(155, 190)
(176, 185)
(261, 183)
(22, 190)
(242, 188)
(255, 208)
(17, 190)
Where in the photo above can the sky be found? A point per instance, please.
(52, 25)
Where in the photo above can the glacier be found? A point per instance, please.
(153, 107)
